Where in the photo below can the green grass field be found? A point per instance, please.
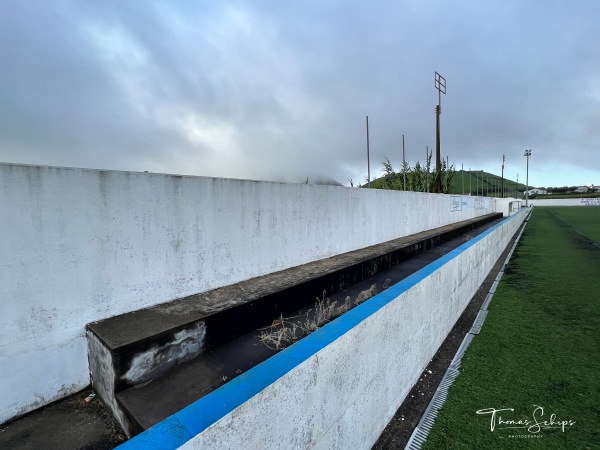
(539, 347)
(584, 219)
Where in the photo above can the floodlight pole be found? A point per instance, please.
(482, 183)
(403, 163)
(368, 158)
(527, 154)
(447, 165)
(427, 167)
(440, 85)
(502, 188)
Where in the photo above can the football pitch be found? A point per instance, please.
(530, 379)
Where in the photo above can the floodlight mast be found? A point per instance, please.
(440, 85)
(403, 163)
(527, 154)
(368, 157)
(503, 159)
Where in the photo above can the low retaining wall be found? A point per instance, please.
(509, 206)
(565, 202)
(340, 386)
(78, 245)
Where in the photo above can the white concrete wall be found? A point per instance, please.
(509, 205)
(342, 384)
(564, 202)
(81, 245)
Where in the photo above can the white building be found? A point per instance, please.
(535, 191)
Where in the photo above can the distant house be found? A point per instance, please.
(535, 191)
(582, 189)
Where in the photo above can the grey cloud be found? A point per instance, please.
(281, 90)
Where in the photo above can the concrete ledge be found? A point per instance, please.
(333, 274)
(338, 387)
(136, 347)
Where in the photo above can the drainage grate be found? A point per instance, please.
(486, 302)
(422, 430)
(461, 350)
(476, 328)
(494, 286)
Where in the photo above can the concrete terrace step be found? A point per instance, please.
(147, 405)
(133, 349)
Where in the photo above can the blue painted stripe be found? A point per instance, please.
(166, 435)
(182, 426)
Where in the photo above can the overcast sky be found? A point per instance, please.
(279, 90)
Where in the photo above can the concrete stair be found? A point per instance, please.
(148, 364)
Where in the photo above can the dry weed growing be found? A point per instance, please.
(286, 330)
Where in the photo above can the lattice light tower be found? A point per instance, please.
(440, 85)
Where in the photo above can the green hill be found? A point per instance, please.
(487, 184)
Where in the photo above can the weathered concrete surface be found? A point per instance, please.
(60, 425)
(149, 404)
(338, 387)
(509, 206)
(122, 330)
(70, 423)
(400, 428)
(564, 202)
(101, 364)
(133, 340)
(81, 245)
(146, 405)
